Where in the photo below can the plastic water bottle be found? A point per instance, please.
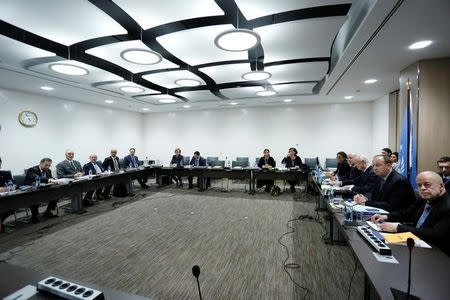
(349, 210)
(90, 173)
(331, 194)
(37, 182)
(131, 166)
(109, 169)
(10, 187)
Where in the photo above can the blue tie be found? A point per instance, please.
(423, 217)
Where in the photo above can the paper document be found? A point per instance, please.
(385, 258)
(373, 225)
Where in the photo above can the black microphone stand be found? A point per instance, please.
(400, 295)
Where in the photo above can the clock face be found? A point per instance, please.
(28, 118)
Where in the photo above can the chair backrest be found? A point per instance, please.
(242, 159)
(256, 161)
(311, 162)
(239, 163)
(211, 159)
(19, 180)
(331, 163)
(215, 163)
(121, 164)
(186, 160)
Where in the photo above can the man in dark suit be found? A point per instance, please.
(355, 173)
(428, 217)
(444, 170)
(364, 183)
(69, 168)
(43, 172)
(391, 192)
(111, 163)
(132, 161)
(196, 160)
(93, 167)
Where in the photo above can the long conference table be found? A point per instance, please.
(429, 271)
(75, 188)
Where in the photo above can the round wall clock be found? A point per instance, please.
(28, 118)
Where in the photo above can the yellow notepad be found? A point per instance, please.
(399, 238)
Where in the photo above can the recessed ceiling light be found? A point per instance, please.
(146, 109)
(47, 88)
(419, 45)
(69, 69)
(234, 103)
(187, 82)
(141, 56)
(266, 93)
(369, 81)
(236, 40)
(348, 97)
(287, 100)
(167, 100)
(257, 75)
(131, 89)
(109, 101)
(186, 106)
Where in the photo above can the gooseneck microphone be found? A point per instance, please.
(400, 295)
(196, 273)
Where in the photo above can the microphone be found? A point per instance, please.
(196, 273)
(400, 295)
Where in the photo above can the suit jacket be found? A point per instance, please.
(108, 162)
(201, 161)
(395, 194)
(447, 185)
(289, 163)
(5, 176)
(343, 170)
(365, 182)
(65, 169)
(34, 172)
(354, 175)
(131, 160)
(270, 162)
(178, 160)
(90, 166)
(435, 229)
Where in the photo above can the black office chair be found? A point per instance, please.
(312, 162)
(256, 161)
(217, 163)
(19, 180)
(121, 164)
(239, 163)
(331, 163)
(186, 160)
(245, 159)
(211, 159)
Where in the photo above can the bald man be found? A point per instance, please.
(94, 167)
(429, 216)
(355, 173)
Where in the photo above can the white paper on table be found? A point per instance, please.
(373, 225)
(385, 258)
(24, 293)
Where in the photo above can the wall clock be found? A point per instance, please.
(28, 118)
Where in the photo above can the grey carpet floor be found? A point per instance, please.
(148, 247)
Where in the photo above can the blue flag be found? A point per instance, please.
(404, 151)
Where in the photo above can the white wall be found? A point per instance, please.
(63, 124)
(315, 130)
(380, 124)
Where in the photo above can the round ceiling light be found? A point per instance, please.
(47, 88)
(234, 103)
(131, 89)
(109, 101)
(256, 75)
(236, 40)
(370, 81)
(69, 69)
(187, 82)
(141, 56)
(266, 93)
(187, 106)
(167, 100)
(287, 100)
(348, 97)
(146, 109)
(420, 45)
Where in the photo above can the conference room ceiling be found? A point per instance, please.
(37, 37)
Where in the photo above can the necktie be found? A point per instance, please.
(73, 165)
(134, 162)
(116, 166)
(423, 217)
(381, 184)
(97, 168)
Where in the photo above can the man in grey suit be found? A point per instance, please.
(69, 168)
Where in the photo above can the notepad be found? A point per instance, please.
(399, 238)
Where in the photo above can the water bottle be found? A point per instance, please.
(109, 169)
(90, 173)
(331, 194)
(131, 166)
(10, 187)
(37, 182)
(349, 210)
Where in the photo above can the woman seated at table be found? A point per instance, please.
(343, 167)
(292, 161)
(177, 161)
(266, 162)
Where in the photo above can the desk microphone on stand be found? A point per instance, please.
(400, 295)
(196, 273)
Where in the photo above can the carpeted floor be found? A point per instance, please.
(149, 246)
